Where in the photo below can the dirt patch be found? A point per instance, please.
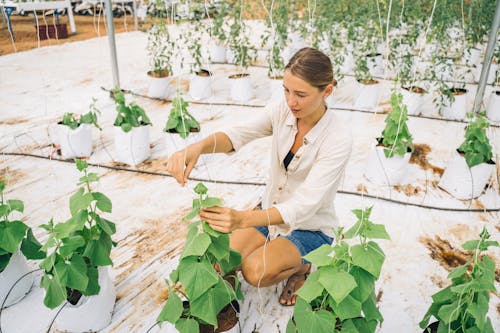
(11, 176)
(379, 295)
(419, 157)
(180, 83)
(476, 204)
(498, 308)
(461, 231)
(362, 188)
(154, 165)
(408, 189)
(439, 281)
(13, 121)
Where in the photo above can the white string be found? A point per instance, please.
(259, 291)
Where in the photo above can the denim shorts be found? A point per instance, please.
(304, 240)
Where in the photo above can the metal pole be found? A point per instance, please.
(112, 44)
(487, 59)
(134, 8)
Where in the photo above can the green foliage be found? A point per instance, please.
(277, 32)
(79, 245)
(160, 48)
(340, 295)
(219, 26)
(129, 116)
(244, 52)
(396, 136)
(14, 234)
(206, 288)
(73, 120)
(476, 147)
(463, 306)
(180, 120)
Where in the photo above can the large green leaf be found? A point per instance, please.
(73, 274)
(187, 325)
(479, 313)
(338, 283)
(98, 251)
(172, 310)
(17, 205)
(70, 244)
(449, 312)
(75, 223)
(196, 276)
(290, 327)
(79, 200)
(370, 309)
(197, 245)
(102, 202)
(31, 248)
(348, 308)
(107, 226)
(55, 293)
(11, 235)
(311, 288)
(93, 287)
(309, 321)
(232, 263)
(370, 258)
(4, 260)
(208, 306)
(365, 283)
(322, 256)
(210, 202)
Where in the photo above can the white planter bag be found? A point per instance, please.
(462, 182)
(386, 171)
(413, 101)
(200, 87)
(132, 148)
(158, 87)
(230, 56)
(375, 64)
(491, 73)
(456, 110)
(241, 88)
(348, 64)
(217, 53)
(471, 57)
(75, 143)
(17, 267)
(367, 97)
(91, 313)
(493, 109)
(276, 90)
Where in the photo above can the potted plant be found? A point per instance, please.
(180, 125)
(368, 88)
(463, 305)
(218, 31)
(78, 253)
(75, 132)
(471, 166)
(131, 131)
(340, 295)
(204, 288)
(390, 156)
(17, 244)
(160, 51)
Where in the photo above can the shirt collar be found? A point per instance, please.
(313, 134)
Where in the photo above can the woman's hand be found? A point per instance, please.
(222, 219)
(180, 163)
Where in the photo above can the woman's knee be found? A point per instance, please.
(256, 274)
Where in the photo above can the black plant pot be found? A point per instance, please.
(431, 328)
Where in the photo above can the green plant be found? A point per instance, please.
(396, 137)
(239, 43)
(206, 264)
(160, 49)
(180, 120)
(78, 246)
(476, 147)
(14, 234)
(219, 26)
(73, 120)
(340, 295)
(129, 116)
(462, 306)
(277, 33)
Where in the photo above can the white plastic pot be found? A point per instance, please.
(241, 88)
(348, 64)
(75, 143)
(412, 100)
(16, 268)
(386, 171)
(491, 73)
(375, 64)
(91, 313)
(158, 87)
(367, 97)
(132, 147)
(493, 109)
(462, 182)
(471, 56)
(230, 56)
(200, 87)
(217, 53)
(458, 108)
(275, 90)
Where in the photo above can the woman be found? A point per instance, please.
(310, 149)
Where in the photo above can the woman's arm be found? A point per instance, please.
(227, 219)
(181, 163)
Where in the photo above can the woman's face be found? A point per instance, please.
(303, 99)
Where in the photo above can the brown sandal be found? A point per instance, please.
(294, 282)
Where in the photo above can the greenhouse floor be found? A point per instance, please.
(426, 224)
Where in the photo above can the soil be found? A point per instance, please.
(238, 76)
(416, 90)
(419, 157)
(73, 296)
(204, 73)
(226, 319)
(362, 188)
(408, 189)
(458, 91)
(158, 74)
(368, 82)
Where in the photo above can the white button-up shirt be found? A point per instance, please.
(304, 194)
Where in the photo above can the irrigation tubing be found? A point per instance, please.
(230, 182)
(10, 290)
(57, 314)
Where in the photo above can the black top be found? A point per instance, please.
(288, 159)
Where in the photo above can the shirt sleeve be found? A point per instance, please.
(323, 178)
(259, 126)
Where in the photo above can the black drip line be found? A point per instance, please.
(230, 182)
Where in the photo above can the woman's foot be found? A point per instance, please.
(294, 282)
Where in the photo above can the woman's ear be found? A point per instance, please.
(328, 90)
